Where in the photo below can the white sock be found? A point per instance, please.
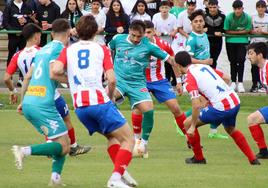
(26, 151)
(55, 176)
(137, 136)
(115, 176)
(145, 142)
(213, 131)
(74, 145)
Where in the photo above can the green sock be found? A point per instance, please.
(57, 164)
(49, 149)
(188, 113)
(147, 124)
(212, 126)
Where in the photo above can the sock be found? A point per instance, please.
(179, 120)
(122, 160)
(71, 135)
(188, 113)
(55, 176)
(52, 148)
(26, 151)
(258, 136)
(242, 143)
(112, 151)
(196, 146)
(136, 123)
(57, 164)
(212, 126)
(212, 129)
(147, 124)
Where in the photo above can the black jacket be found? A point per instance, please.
(214, 23)
(11, 13)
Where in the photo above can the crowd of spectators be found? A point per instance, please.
(170, 18)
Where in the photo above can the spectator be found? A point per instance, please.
(237, 23)
(140, 11)
(47, 11)
(100, 18)
(153, 6)
(16, 15)
(178, 7)
(116, 20)
(259, 27)
(214, 19)
(106, 5)
(81, 6)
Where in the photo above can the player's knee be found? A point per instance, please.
(229, 130)
(176, 110)
(251, 119)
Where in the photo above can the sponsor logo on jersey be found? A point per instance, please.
(39, 91)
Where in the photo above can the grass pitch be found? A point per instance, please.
(165, 168)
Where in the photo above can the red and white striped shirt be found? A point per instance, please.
(264, 75)
(202, 79)
(156, 69)
(22, 60)
(86, 61)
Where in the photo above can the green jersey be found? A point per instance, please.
(41, 89)
(131, 59)
(234, 23)
(176, 10)
(198, 45)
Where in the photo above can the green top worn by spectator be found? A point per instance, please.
(177, 10)
(234, 23)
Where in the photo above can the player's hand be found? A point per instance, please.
(208, 61)
(13, 98)
(179, 89)
(190, 131)
(120, 29)
(19, 109)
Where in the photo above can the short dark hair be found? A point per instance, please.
(86, 27)
(259, 48)
(261, 3)
(29, 30)
(148, 24)
(191, 2)
(196, 13)
(237, 4)
(164, 3)
(60, 25)
(137, 25)
(213, 2)
(183, 58)
(99, 1)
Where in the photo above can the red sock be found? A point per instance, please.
(258, 136)
(196, 146)
(122, 160)
(179, 120)
(136, 123)
(71, 136)
(113, 150)
(242, 143)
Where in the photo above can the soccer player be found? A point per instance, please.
(85, 62)
(158, 85)
(23, 60)
(257, 54)
(198, 46)
(37, 96)
(223, 106)
(132, 55)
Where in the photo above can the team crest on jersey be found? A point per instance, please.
(144, 90)
(44, 129)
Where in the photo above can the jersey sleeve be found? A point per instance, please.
(112, 43)
(13, 64)
(168, 49)
(191, 45)
(157, 52)
(219, 72)
(191, 86)
(107, 60)
(63, 57)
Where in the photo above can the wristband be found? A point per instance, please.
(178, 80)
(14, 91)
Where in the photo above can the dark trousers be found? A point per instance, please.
(15, 42)
(43, 41)
(215, 49)
(170, 74)
(236, 53)
(255, 75)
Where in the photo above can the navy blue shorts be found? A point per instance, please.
(62, 107)
(162, 90)
(264, 112)
(103, 118)
(216, 117)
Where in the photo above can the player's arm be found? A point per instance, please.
(208, 61)
(57, 72)
(111, 83)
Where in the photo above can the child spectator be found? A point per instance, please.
(140, 11)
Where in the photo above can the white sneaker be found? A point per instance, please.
(127, 179)
(140, 149)
(18, 156)
(54, 183)
(117, 184)
(233, 86)
(240, 88)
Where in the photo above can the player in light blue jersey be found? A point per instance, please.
(198, 46)
(38, 105)
(132, 55)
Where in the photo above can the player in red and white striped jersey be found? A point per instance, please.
(158, 85)
(257, 54)
(223, 106)
(86, 61)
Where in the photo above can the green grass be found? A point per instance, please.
(165, 168)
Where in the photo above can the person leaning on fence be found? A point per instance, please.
(237, 23)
